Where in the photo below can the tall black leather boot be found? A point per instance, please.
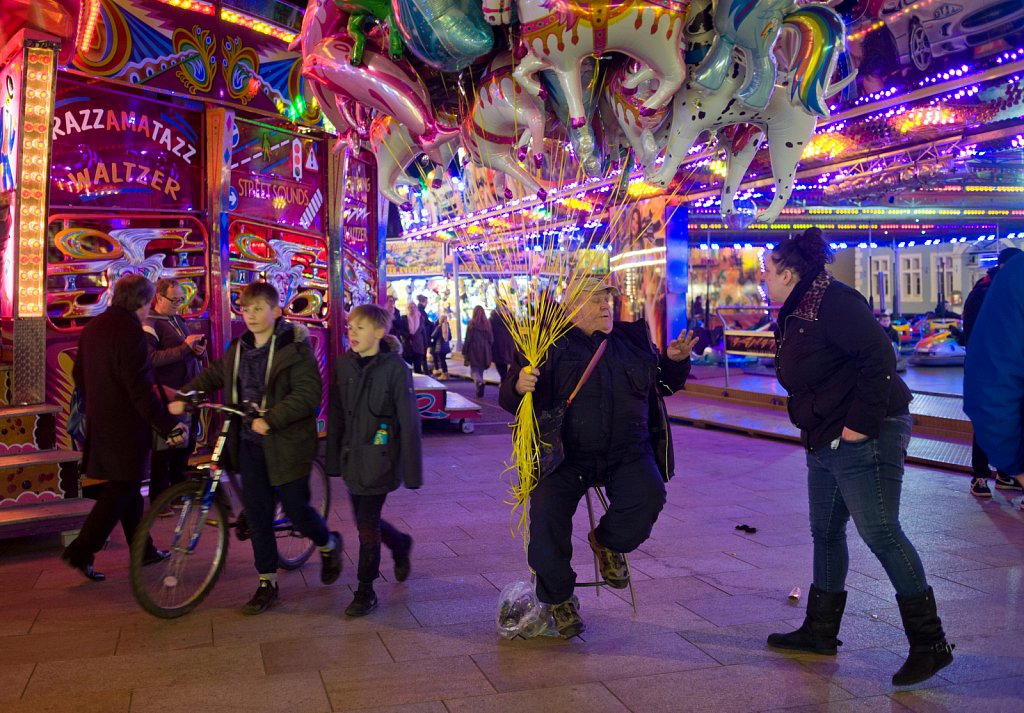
(929, 651)
(821, 625)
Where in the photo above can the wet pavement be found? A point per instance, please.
(708, 595)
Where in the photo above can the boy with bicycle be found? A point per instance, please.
(272, 365)
(373, 441)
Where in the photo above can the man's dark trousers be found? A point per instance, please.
(636, 495)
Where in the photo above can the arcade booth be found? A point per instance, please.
(171, 140)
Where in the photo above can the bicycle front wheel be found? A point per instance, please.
(292, 548)
(198, 546)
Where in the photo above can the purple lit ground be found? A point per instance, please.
(708, 595)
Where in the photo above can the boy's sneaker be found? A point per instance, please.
(402, 564)
(265, 597)
(1005, 482)
(979, 488)
(612, 564)
(567, 618)
(330, 560)
(364, 602)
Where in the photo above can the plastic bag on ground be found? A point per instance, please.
(521, 614)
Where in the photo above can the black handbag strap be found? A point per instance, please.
(588, 371)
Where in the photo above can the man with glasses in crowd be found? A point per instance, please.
(176, 356)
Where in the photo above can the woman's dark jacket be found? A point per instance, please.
(620, 411)
(414, 342)
(438, 344)
(113, 373)
(364, 395)
(174, 362)
(476, 349)
(504, 349)
(293, 393)
(836, 362)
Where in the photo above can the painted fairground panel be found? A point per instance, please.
(723, 277)
(638, 266)
(114, 150)
(86, 254)
(191, 48)
(10, 140)
(276, 177)
(294, 263)
(414, 257)
(360, 227)
(359, 280)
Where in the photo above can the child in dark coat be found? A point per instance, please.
(373, 442)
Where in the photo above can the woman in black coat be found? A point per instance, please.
(414, 339)
(113, 373)
(476, 349)
(851, 407)
(504, 349)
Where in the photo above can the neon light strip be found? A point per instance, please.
(40, 64)
(631, 253)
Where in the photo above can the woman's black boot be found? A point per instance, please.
(929, 651)
(821, 625)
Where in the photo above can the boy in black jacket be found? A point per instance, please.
(373, 441)
(272, 365)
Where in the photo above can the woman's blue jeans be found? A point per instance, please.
(862, 480)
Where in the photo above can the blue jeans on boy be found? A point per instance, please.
(258, 497)
(862, 480)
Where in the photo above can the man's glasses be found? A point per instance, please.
(176, 301)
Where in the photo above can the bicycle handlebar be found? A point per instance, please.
(194, 401)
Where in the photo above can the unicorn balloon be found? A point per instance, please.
(752, 28)
(788, 120)
(560, 34)
(395, 151)
(502, 120)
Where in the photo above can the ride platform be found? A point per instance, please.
(437, 403)
(756, 405)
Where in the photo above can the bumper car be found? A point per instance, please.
(939, 349)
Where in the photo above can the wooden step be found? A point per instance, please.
(28, 428)
(5, 384)
(26, 477)
(43, 517)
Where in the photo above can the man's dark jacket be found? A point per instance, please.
(972, 305)
(620, 410)
(113, 372)
(294, 390)
(503, 349)
(836, 362)
(174, 362)
(364, 395)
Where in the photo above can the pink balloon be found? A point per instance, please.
(379, 83)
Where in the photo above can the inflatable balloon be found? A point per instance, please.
(395, 151)
(389, 87)
(751, 27)
(626, 106)
(582, 138)
(359, 11)
(788, 120)
(559, 36)
(504, 118)
(447, 35)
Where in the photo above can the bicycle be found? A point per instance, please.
(176, 586)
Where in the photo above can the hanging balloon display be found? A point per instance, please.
(516, 84)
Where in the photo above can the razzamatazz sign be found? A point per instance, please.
(118, 151)
(276, 177)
